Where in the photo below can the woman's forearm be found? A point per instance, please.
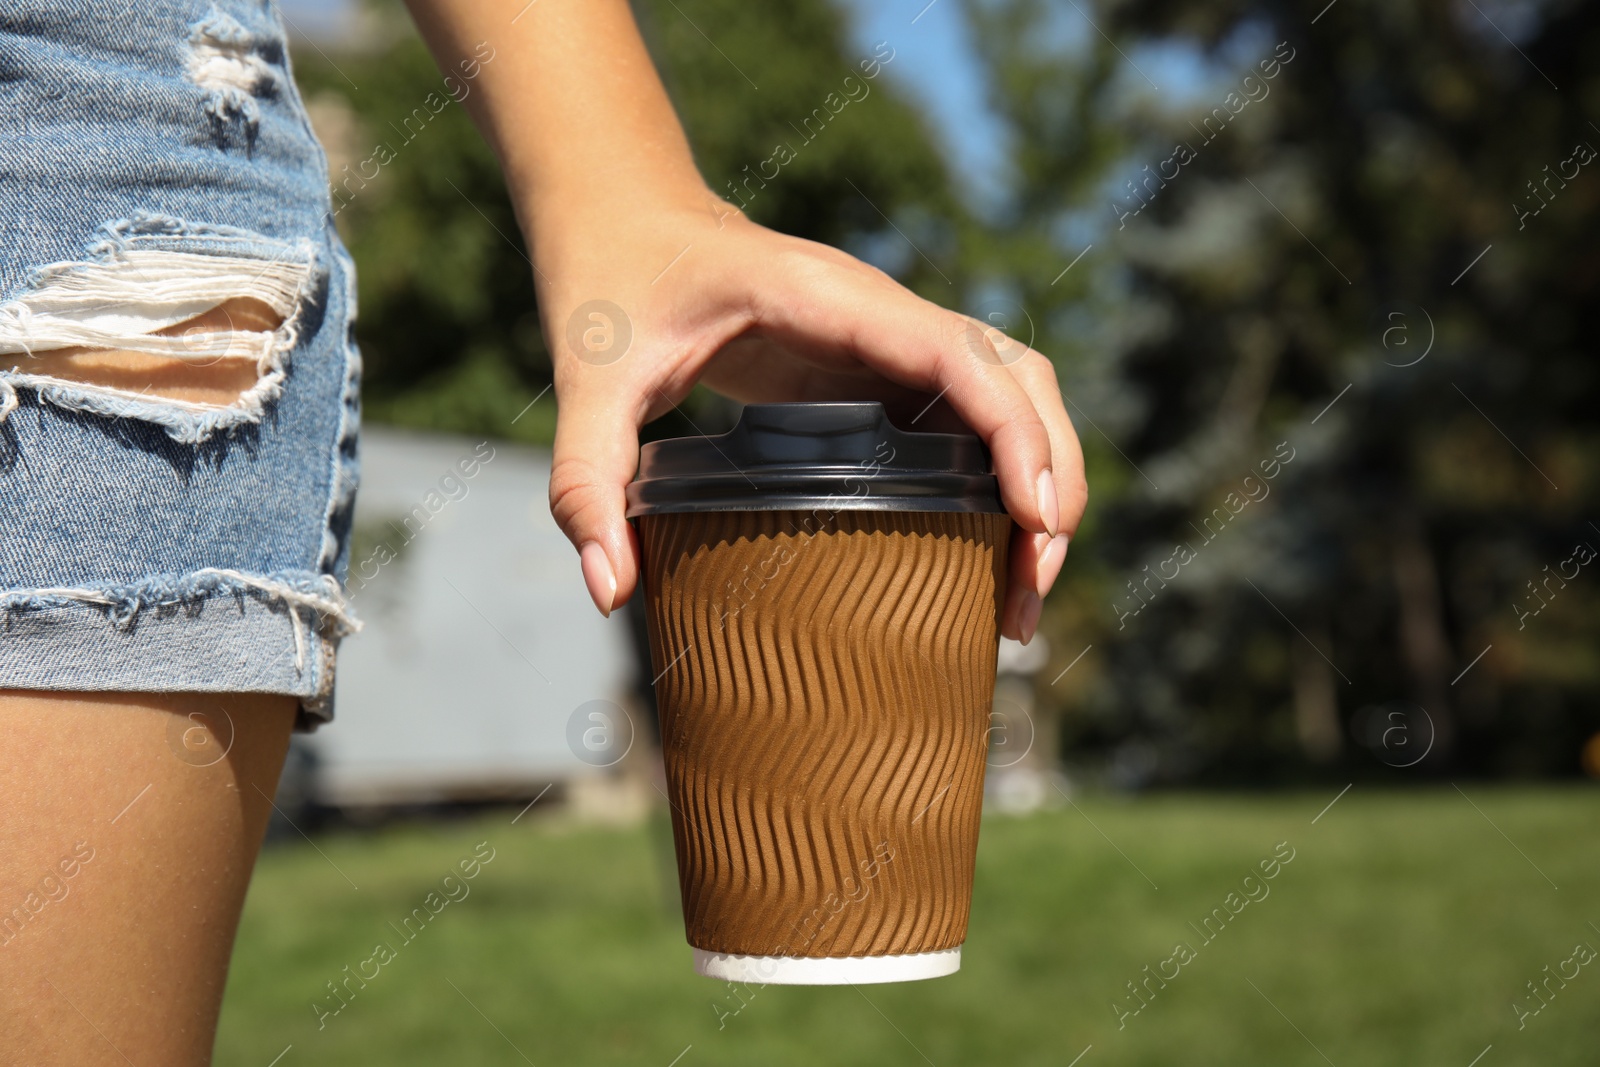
(571, 102)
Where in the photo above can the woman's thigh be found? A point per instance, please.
(129, 826)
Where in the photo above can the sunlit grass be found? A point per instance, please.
(1400, 933)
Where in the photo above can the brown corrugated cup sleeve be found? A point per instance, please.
(825, 687)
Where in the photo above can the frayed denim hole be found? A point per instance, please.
(105, 303)
(235, 69)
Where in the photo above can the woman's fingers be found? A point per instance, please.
(918, 344)
(1036, 559)
(1038, 378)
(596, 453)
(1035, 562)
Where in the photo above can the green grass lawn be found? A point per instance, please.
(1400, 933)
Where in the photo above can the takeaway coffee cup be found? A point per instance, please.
(823, 593)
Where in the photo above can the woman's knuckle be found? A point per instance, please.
(569, 478)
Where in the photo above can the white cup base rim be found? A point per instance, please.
(830, 970)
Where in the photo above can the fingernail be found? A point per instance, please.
(598, 576)
(1049, 508)
(1028, 616)
(1050, 561)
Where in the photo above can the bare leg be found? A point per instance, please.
(129, 826)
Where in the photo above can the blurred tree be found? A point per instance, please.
(449, 324)
(1362, 236)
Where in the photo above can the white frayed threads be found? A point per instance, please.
(299, 640)
(216, 65)
(117, 300)
(226, 60)
(332, 606)
(333, 614)
(122, 300)
(85, 595)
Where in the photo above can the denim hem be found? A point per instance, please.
(213, 631)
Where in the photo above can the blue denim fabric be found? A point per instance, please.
(156, 160)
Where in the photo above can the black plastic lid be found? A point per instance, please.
(843, 456)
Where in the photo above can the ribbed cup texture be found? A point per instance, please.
(825, 689)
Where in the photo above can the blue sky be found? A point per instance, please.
(933, 61)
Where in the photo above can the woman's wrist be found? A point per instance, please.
(571, 214)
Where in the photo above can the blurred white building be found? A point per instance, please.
(1023, 774)
(480, 640)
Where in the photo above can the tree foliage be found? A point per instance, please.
(1356, 230)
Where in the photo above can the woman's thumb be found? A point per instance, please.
(596, 453)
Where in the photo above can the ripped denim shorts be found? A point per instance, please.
(155, 166)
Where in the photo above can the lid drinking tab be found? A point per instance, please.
(844, 456)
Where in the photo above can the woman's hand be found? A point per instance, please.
(640, 301)
(648, 283)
